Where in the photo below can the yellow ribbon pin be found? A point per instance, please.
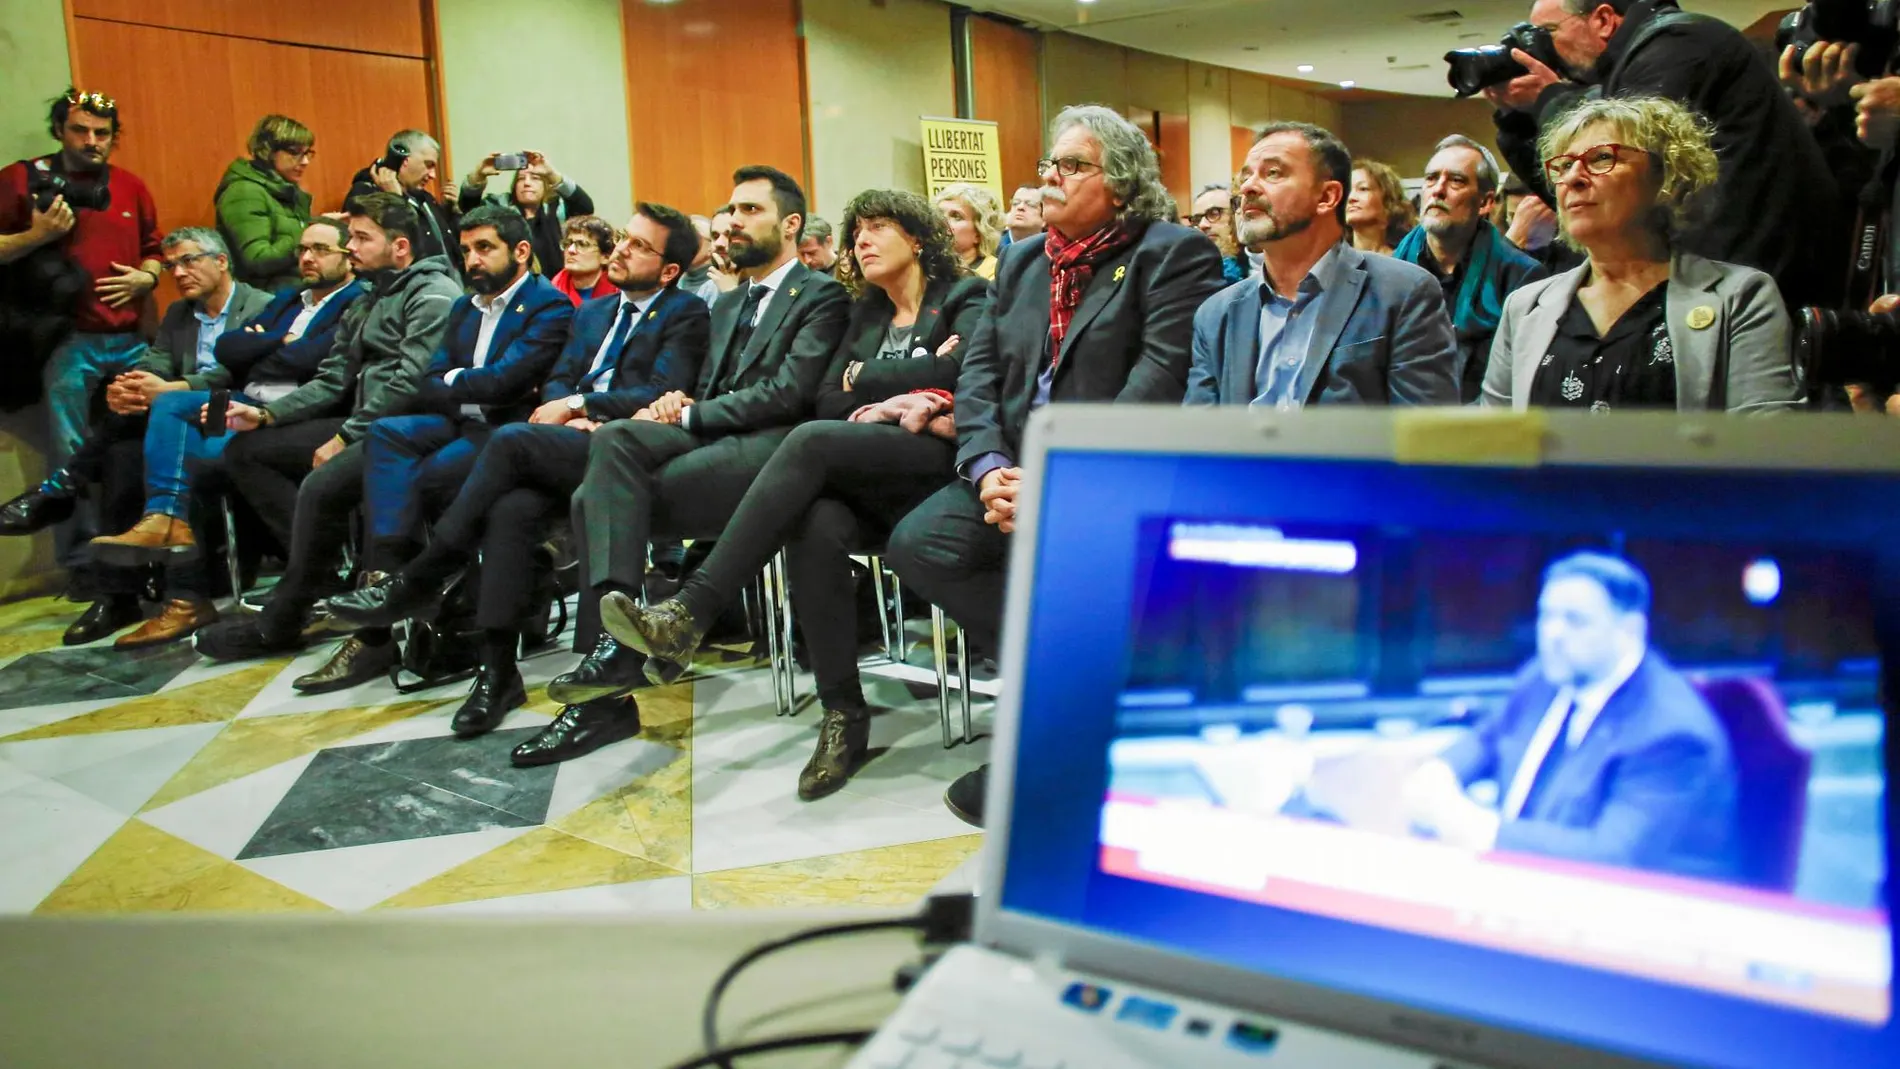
(521, 309)
(1701, 317)
(1119, 272)
(653, 313)
(792, 293)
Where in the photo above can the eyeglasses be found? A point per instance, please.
(298, 152)
(318, 250)
(580, 244)
(187, 260)
(1597, 159)
(1067, 166)
(96, 102)
(1212, 215)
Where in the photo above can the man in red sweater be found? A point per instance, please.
(100, 219)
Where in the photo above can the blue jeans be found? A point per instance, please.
(175, 445)
(408, 460)
(73, 374)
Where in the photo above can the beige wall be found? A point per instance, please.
(1402, 132)
(544, 76)
(872, 70)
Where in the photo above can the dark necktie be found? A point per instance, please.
(749, 311)
(1552, 763)
(623, 326)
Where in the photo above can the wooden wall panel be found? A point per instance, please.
(1006, 70)
(1243, 144)
(1177, 172)
(390, 27)
(713, 85)
(180, 143)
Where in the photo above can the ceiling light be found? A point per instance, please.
(1304, 68)
(1347, 84)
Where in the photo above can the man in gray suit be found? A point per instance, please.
(1327, 324)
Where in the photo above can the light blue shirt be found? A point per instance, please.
(209, 327)
(1286, 334)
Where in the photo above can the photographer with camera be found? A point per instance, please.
(1775, 206)
(545, 198)
(408, 165)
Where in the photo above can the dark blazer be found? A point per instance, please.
(663, 354)
(173, 355)
(438, 219)
(527, 342)
(950, 308)
(1652, 785)
(1128, 341)
(1381, 336)
(267, 356)
(777, 376)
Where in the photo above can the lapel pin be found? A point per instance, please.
(793, 292)
(520, 309)
(653, 313)
(1119, 272)
(1701, 317)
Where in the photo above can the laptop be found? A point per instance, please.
(1436, 740)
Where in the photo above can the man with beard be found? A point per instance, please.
(1455, 241)
(1099, 308)
(1214, 216)
(1327, 324)
(621, 357)
(300, 465)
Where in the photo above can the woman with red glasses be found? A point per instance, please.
(1642, 324)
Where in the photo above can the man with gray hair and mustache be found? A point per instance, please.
(1100, 307)
(1474, 264)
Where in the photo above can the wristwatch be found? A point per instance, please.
(577, 402)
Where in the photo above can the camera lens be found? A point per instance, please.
(1473, 69)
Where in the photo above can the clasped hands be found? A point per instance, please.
(670, 408)
(923, 412)
(997, 491)
(558, 413)
(133, 392)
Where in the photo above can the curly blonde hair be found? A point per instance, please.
(984, 212)
(1679, 144)
(1399, 216)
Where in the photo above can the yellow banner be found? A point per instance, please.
(962, 150)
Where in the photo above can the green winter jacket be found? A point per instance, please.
(262, 217)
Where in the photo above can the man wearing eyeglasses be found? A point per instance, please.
(1214, 216)
(1776, 207)
(1025, 215)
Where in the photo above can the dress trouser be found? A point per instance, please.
(111, 458)
(262, 464)
(830, 490)
(412, 462)
(948, 555)
(645, 478)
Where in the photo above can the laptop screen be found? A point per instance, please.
(1592, 754)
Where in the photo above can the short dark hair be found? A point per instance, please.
(392, 214)
(91, 103)
(1329, 152)
(682, 238)
(509, 224)
(342, 232)
(787, 195)
(1623, 583)
(600, 230)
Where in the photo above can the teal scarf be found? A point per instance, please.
(1480, 301)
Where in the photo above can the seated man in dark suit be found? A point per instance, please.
(1327, 324)
(621, 357)
(1098, 308)
(1603, 753)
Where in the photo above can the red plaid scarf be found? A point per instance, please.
(1071, 268)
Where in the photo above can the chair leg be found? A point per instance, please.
(231, 570)
(897, 620)
(876, 564)
(790, 663)
(941, 656)
(963, 683)
(768, 613)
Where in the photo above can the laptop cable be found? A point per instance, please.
(944, 921)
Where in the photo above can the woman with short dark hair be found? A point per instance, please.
(586, 242)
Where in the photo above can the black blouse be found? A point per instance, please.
(1632, 365)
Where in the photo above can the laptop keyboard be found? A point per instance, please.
(922, 1044)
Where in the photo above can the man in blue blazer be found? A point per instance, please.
(621, 356)
(1327, 324)
(1603, 753)
(500, 345)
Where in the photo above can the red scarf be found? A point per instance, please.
(1072, 268)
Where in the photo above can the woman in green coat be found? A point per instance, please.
(262, 211)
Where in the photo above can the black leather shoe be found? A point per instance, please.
(666, 633)
(965, 796)
(496, 694)
(610, 671)
(243, 638)
(385, 604)
(580, 730)
(36, 510)
(355, 662)
(842, 739)
(103, 617)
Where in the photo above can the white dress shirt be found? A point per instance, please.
(264, 393)
(491, 309)
(1589, 701)
(772, 283)
(628, 306)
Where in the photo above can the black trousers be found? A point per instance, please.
(519, 484)
(645, 479)
(111, 459)
(263, 464)
(830, 490)
(945, 551)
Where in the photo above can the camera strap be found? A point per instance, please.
(1873, 228)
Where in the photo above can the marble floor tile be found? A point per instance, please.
(340, 803)
(674, 894)
(120, 770)
(12, 775)
(141, 869)
(478, 769)
(541, 860)
(358, 877)
(225, 818)
(649, 817)
(46, 830)
(281, 699)
(888, 876)
(211, 701)
(744, 819)
(90, 673)
(30, 717)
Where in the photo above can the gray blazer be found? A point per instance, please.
(173, 354)
(1382, 336)
(1738, 361)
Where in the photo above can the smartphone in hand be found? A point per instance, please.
(215, 411)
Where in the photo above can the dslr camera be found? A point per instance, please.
(1833, 348)
(46, 184)
(1871, 24)
(1478, 68)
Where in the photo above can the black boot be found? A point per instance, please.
(666, 633)
(104, 616)
(609, 672)
(842, 739)
(51, 502)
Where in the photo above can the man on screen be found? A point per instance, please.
(1603, 753)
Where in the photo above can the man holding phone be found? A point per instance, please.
(409, 164)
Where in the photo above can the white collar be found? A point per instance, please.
(777, 278)
(1591, 698)
(500, 300)
(317, 305)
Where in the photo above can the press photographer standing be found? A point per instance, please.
(102, 222)
(406, 169)
(1776, 206)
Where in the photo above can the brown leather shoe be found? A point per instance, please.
(842, 739)
(156, 535)
(353, 662)
(179, 618)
